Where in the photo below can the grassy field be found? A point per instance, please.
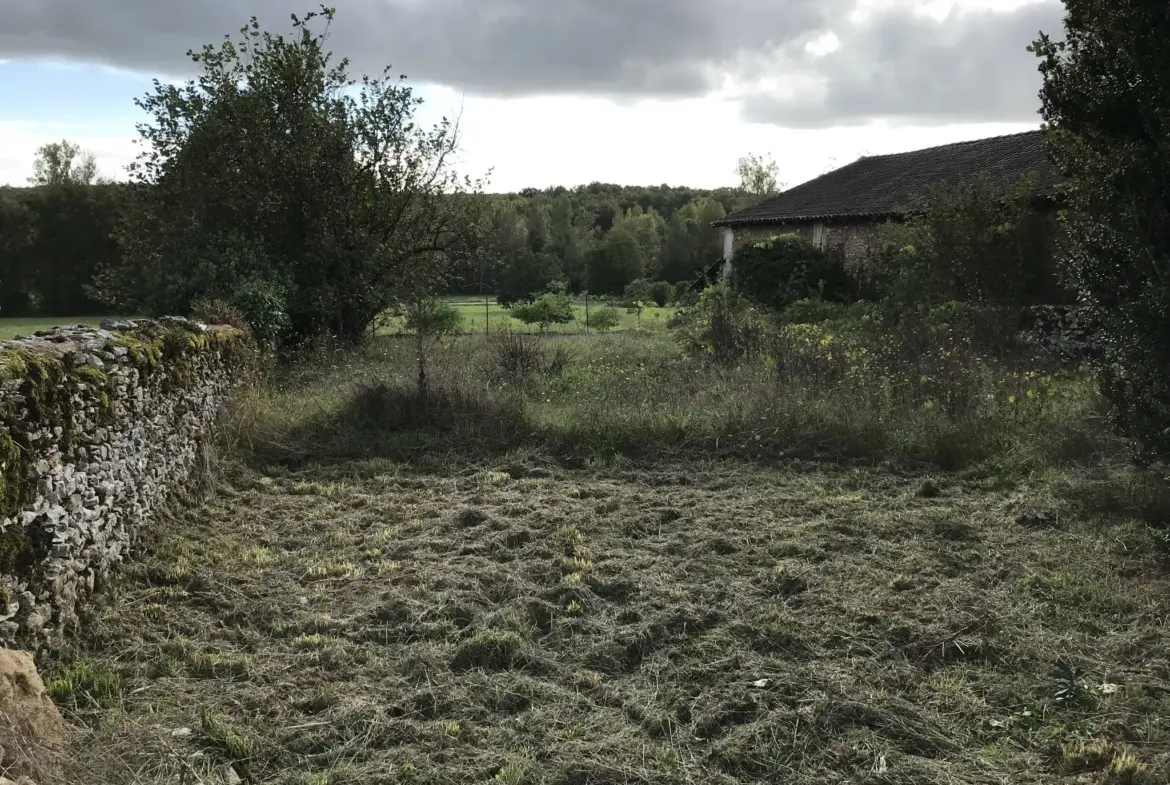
(629, 566)
(472, 307)
(10, 328)
(687, 623)
(478, 319)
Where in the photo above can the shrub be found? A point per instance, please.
(661, 293)
(432, 318)
(977, 242)
(812, 311)
(516, 357)
(685, 294)
(605, 318)
(639, 291)
(258, 305)
(723, 326)
(786, 268)
(265, 308)
(545, 310)
(217, 311)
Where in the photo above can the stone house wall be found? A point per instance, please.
(858, 241)
(98, 429)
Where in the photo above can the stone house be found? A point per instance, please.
(844, 209)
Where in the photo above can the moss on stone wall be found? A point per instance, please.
(81, 396)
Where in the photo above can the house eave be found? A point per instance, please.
(803, 219)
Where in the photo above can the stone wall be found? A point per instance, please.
(98, 428)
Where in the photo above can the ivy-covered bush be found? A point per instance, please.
(785, 268)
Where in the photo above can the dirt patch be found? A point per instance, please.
(746, 625)
(32, 734)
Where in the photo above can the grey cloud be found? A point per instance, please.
(970, 67)
(497, 47)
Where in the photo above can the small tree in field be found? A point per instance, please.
(605, 318)
(275, 169)
(1107, 106)
(551, 308)
(425, 318)
(638, 295)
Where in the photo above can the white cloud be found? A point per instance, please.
(19, 142)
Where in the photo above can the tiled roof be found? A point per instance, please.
(878, 186)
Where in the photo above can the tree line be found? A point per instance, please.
(57, 234)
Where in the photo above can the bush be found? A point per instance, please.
(723, 326)
(785, 268)
(812, 311)
(545, 310)
(256, 305)
(976, 242)
(265, 308)
(605, 318)
(217, 311)
(661, 293)
(518, 358)
(433, 318)
(639, 291)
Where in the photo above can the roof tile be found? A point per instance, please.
(880, 185)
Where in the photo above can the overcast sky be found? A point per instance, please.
(562, 92)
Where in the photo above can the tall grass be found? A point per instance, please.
(796, 391)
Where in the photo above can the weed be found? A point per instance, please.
(86, 685)
(220, 734)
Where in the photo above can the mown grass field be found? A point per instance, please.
(633, 568)
(688, 623)
(10, 328)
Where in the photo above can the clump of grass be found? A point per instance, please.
(211, 665)
(235, 744)
(514, 772)
(469, 517)
(327, 568)
(86, 685)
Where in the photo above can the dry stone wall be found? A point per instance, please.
(98, 429)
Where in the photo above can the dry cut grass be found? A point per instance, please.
(672, 623)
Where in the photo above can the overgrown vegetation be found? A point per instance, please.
(1109, 134)
(980, 242)
(782, 269)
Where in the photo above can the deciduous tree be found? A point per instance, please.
(275, 169)
(63, 163)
